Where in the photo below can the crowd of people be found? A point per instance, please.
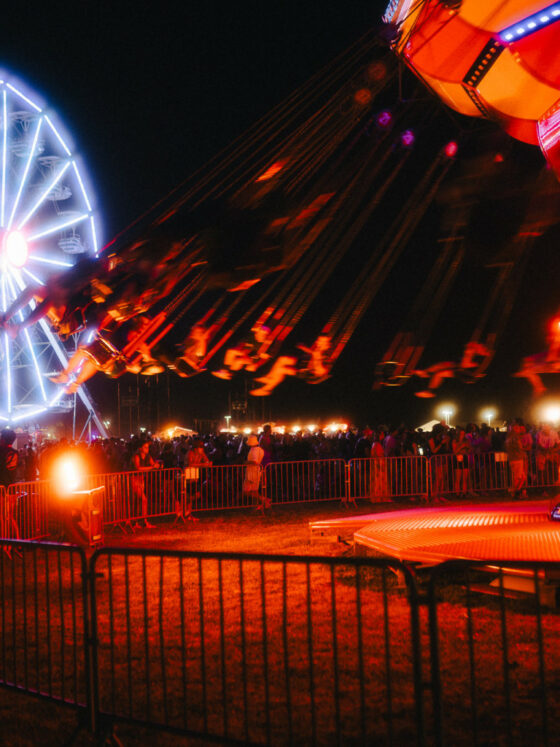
(527, 446)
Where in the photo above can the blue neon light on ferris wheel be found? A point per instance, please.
(48, 218)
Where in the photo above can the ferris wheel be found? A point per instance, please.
(47, 221)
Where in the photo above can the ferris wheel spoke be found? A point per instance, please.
(44, 194)
(23, 97)
(14, 294)
(38, 373)
(23, 179)
(7, 352)
(57, 135)
(37, 368)
(59, 227)
(8, 367)
(32, 276)
(80, 182)
(93, 234)
(48, 261)
(4, 153)
(11, 295)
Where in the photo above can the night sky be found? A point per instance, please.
(151, 91)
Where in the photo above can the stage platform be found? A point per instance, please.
(519, 530)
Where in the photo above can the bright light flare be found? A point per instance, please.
(16, 249)
(446, 412)
(550, 413)
(335, 427)
(67, 475)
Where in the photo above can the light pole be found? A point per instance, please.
(227, 418)
(447, 414)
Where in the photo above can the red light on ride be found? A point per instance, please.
(498, 158)
(376, 71)
(363, 96)
(451, 149)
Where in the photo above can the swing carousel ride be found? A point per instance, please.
(265, 262)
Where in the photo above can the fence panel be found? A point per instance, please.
(298, 482)
(469, 474)
(495, 665)
(43, 621)
(25, 512)
(257, 649)
(380, 479)
(130, 496)
(542, 469)
(214, 488)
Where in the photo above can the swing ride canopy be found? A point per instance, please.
(498, 60)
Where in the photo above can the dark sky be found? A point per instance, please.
(151, 91)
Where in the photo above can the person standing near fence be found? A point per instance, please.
(8, 457)
(439, 450)
(252, 477)
(461, 449)
(516, 458)
(196, 458)
(142, 462)
(379, 483)
(548, 445)
(8, 469)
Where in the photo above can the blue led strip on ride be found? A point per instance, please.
(531, 24)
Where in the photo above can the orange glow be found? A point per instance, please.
(272, 171)
(363, 96)
(245, 285)
(311, 209)
(68, 474)
(376, 71)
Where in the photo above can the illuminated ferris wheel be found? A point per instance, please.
(47, 221)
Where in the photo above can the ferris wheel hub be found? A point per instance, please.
(15, 248)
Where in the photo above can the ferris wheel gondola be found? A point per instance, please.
(47, 220)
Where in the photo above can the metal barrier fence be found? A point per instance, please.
(44, 636)
(298, 482)
(256, 649)
(259, 649)
(495, 668)
(131, 496)
(26, 509)
(469, 473)
(379, 479)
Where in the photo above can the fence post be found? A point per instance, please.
(429, 486)
(347, 490)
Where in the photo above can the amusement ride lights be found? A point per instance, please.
(47, 219)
